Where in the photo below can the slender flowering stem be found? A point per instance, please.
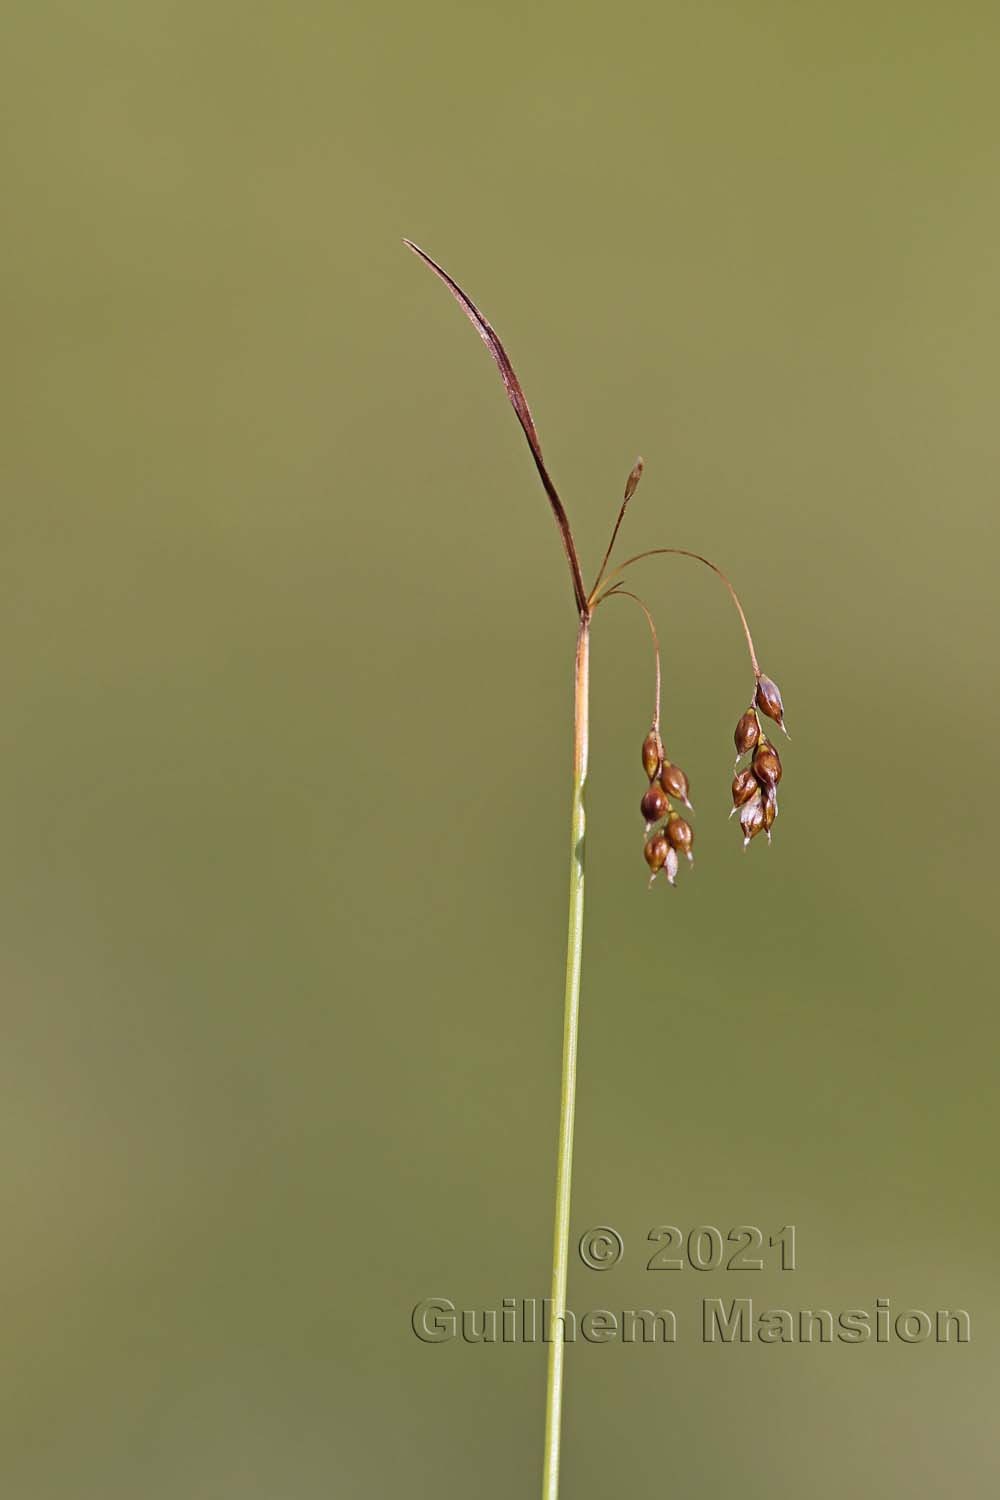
(574, 934)
(571, 1032)
(619, 593)
(631, 485)
(682, 552)
(606, 586)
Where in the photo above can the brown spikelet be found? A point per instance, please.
(747, 732)
(654, 804)
(752, 818)
(680, 835)
(768, 700)
(674, 781)
(652, 755)
(766, 765)
(656, 850)
(744, 787)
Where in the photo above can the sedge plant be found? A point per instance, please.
(668, 835)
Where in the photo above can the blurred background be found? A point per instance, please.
(285, 742)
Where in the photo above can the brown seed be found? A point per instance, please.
(652, 755)
(768, 699)
(747, 732)
(680, 834)
(656, 852)
(655, 804)
(770, 810)
(752, 818)
(744, 786)
(767, 765)
(673, 780)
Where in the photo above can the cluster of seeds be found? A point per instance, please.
(668, 835)
(755, 787)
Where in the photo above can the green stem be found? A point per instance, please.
(567, 1105)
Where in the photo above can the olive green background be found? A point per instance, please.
(285, 736)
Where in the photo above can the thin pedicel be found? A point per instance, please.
(668, 835)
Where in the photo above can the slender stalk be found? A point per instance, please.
(631, 486)
(571, 1030)
(683, 552)
(618, 592)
